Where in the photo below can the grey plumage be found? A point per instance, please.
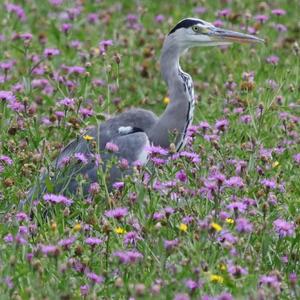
(147, 128)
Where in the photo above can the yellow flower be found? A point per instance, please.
(88, 137)
(120, 230)
(166, 100)
(77, 227)
(216, 226)
(222, 267)
(275, 164)
(183, 227)
(229, 221)
(53, 226)
(216, 278)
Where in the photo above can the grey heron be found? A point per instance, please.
(134, 130)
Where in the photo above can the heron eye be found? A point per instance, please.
(196, 28)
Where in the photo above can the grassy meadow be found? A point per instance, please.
(219, 220)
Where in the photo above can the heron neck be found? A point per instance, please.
(179, 112)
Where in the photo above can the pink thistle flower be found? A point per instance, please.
(49, 249)
(296, 158)
(84, 290)
(119, 185)
(6, 159)
(93, 241)
(81, 158)
(57, 199)
(200, 10)
(235, 181)
(50, 52)
(6, 96)
(181, 176)
(222, 125)
(67, 102)
(159, 18)
(66, 243)
(117, 213)
(65, 28)
(111, 147)
(157, 150)
(278, 12)
(273, 60)
(224, 12)
(17, 10)
(95, 278)
(243, 225)
(268, 183)
(128, 257)
(283, 228)
(261, 18)
(103, 46)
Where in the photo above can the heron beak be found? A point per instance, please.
(223, 35)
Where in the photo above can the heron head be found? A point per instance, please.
(192, 32)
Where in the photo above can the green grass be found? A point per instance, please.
(201, 251)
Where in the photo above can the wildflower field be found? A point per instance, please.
(218, 220)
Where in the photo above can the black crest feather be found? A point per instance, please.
(186, 23)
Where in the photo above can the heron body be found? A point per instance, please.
(134, 130)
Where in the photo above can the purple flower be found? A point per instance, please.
(273, 59)
(280, 27)
(159, 18)
(237, 206)
(268, 183)
(6, 159)
(157, 150)
(94, 188)
(236, 271)
(86, 112)
(131, 238)
(278, 12)
(8, 238)
(67, 102)
(95, 278)
(50, 52)
(283, 228)
(243, 225)
(246, 119)
(111, 147)
(235, 181)
(6, 96)
(117, 213)
(270, 281)
(224, 12)
(103, 46)
(8, 281)
(81, 157)
(191, 284)
(119, 185)
(76, 70)
(48, 249)
(52, 198)
(181, 176)
(17, 10)
(181, 296)
(224, 296)
(199, 10)
(171, 244)
(65, 28)
(222, 125)
(93, 241)
(261, 18)
(84, 290)
(66, 243)
(128, 257)
(296, 158)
